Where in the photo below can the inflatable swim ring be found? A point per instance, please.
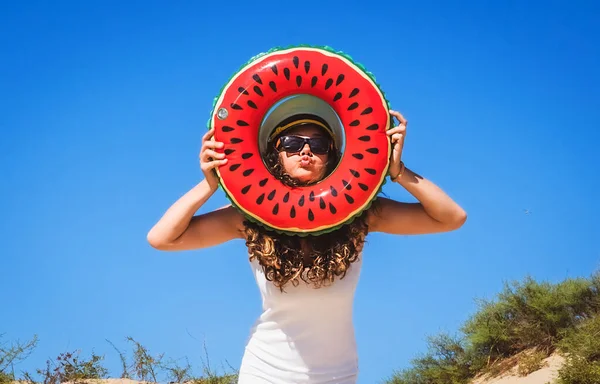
(276, 85)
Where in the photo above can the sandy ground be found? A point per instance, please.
(547, 374)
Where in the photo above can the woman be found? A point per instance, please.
(305, 333)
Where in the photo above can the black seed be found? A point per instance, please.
(353, 106)
(257, 78)
(362, 186)
(311, 215)
(358, 156)
(365, 138)
(328, 83)
(246, 189)
(332, 208)
(227, 128)
(248, 172)
(373, 150)
(235, 140)
(274, 69)
(242, 90)
(370, 171)
(229, 151)
(275, 209)
(236, 106)
(296, 61)
(324, 69)
(307, 66)
(293, 212)
(247, 155)
(339, 79)
(260, 199)
(242, 123)
(263, 182)
(258, 90)
(313, 81)
(354, 173)
(354, 92)
(373, 127)
(286, 72)
(271, 195)
(367, 111)
(299, 80)
(251, 104)
(349, 198)
(355, 123)
(273, 86)
(286, 197)
(347, 185)
(301, 201)
(311, 196)
(321, 203)
(234, 167)
(337, 96)
(333, 191)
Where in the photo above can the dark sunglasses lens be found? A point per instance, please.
(319, 145)
(292, 144)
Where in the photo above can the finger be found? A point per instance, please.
(209, 153)
(212, 144)
(215, 163)
(399, 116)
(208, 135)
(397, 137)
(398, 129)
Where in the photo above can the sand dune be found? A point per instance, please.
(547, 374)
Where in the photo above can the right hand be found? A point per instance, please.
(210, 158)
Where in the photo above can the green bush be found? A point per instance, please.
(528, 315)
(446, 362)
(70, 367)
(581, 347)
(11, 354)
(579, 371)
(525, 315)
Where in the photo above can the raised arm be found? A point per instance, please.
(435, 211)
(179, 229)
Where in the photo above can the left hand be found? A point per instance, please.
(397, 135)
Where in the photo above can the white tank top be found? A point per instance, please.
(305, 334)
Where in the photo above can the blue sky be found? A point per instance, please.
(103, 105)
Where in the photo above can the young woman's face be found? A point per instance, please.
(299, 159)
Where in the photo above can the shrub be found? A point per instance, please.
(581, 347)
(11, 354)
(524, 315)
(529, 315)
(446, 362)
(68, 366)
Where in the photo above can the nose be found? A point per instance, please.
(306, 150)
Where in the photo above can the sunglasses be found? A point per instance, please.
(293, 144)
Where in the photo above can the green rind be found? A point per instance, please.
(252, 219)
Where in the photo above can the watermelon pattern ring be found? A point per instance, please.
(241, 109)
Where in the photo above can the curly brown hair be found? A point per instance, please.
(318, 260)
